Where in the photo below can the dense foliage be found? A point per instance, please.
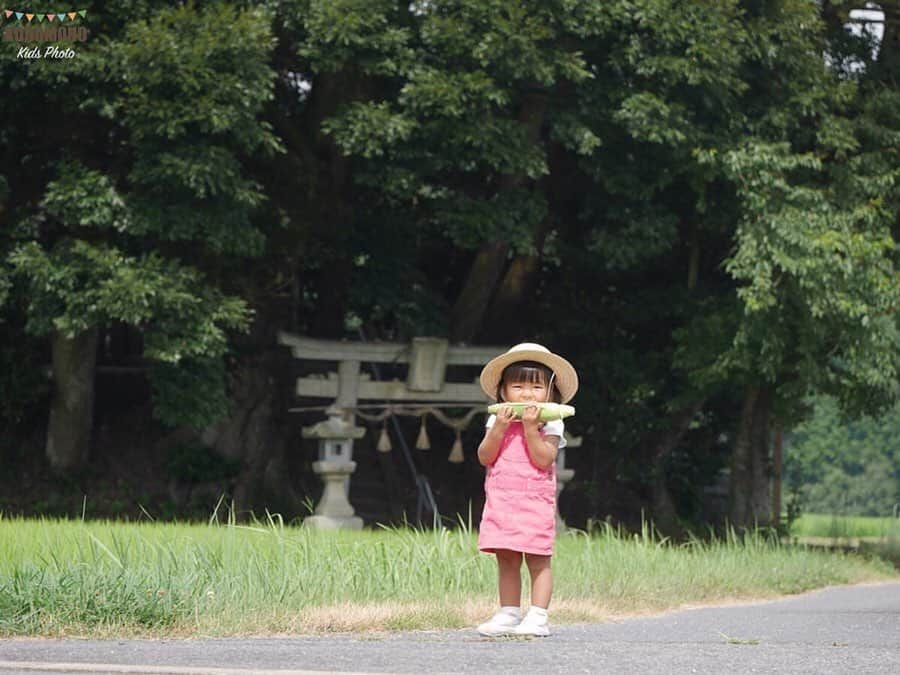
(694, 202)
(848, 467)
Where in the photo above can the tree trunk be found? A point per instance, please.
(330, 205)
(471, 307)
(777, 469)
(761, 502)
(654, 450)
(663, 511)
(256, 433)
(516, 288)
(694, 261)
(72, 403)
(334, 218)
(749, 504)
(741, 462)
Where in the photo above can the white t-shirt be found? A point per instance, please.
(551, 428)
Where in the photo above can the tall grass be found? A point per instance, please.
(106, 578)
(844, 527)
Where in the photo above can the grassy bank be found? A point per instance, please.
(844, 527)
(103, 578)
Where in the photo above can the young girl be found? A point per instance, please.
(519, 518)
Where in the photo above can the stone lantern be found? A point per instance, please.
(335, 465)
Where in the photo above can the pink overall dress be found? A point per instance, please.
(520, 500)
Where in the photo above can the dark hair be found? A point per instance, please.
(528, 371)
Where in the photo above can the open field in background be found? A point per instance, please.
(99, 578)
(844, 527)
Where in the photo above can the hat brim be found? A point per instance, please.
(566, 379)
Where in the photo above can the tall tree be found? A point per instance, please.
(815, 263)
(604, 148)
(463, 144)
(143, 213)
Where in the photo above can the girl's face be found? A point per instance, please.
(525, 381)
(525, 391)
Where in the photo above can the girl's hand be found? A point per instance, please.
(505, 415)
(530, 417)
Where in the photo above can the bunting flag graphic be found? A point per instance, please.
(30, 16)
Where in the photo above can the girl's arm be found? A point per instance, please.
(493, 437)
(542, 449)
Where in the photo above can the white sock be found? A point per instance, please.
(512, 610)
(538, 611)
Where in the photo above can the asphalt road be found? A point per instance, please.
(850, 629)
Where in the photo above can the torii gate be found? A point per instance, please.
(425, 384)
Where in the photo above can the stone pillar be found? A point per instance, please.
(335, 466)
(563, 476)
(334, 511)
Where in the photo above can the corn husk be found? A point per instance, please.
(549, 411)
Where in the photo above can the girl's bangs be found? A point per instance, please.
(526, 371)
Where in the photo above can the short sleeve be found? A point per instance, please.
(556, 428)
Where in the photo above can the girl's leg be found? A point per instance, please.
(509, 564)
(541, 579)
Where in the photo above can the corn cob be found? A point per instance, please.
(549, 411)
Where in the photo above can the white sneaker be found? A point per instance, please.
(535, 623)
(503, 622)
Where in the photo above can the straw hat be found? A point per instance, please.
(566, 379)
